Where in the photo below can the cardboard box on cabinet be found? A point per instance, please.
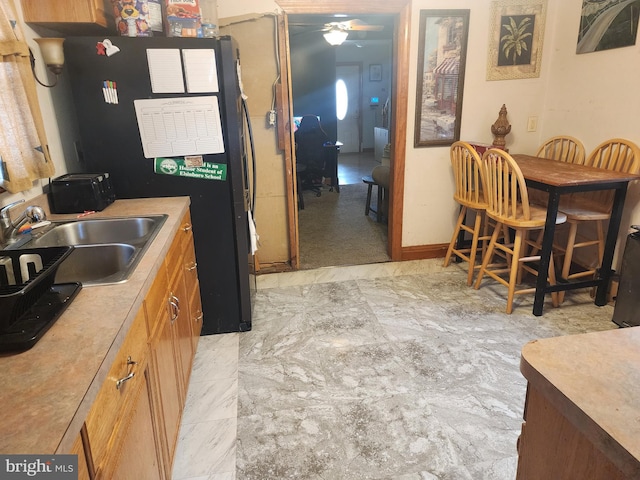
(182, 18)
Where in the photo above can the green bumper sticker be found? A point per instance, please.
(179, 167)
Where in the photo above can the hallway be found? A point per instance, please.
(333, 228)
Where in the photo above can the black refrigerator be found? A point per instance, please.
(167, 117)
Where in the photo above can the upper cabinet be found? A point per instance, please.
(71, 17)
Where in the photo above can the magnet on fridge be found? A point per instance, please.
(107, 48)
(111, 49)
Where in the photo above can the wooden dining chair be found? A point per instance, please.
(468, 180)
(508, 204)
(562, 148)
(594, 207)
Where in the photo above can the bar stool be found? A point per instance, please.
(368, 208)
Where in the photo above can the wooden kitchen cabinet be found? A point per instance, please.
(139, 455)
(172, 343)
(77, 17)
(165, 384)
(122, 412)
(192, 286)
(83, 467)
(551, 447)
(580, 413)
(131, 430)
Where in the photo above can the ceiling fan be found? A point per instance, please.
(355, 25)
(336, 32)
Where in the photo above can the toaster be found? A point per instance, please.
(80, 192)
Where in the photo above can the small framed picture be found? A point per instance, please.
(515, 39)
(375, 72)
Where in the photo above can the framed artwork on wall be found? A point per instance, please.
(607, 25)
(515, 39)
(442, 52)
(375, 72)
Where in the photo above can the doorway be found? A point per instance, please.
(327, 81)
(400, 10)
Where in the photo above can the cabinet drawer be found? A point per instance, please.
(113, 399)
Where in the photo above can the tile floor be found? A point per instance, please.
(383, 371)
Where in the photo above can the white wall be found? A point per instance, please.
(593, 96)
(429, 209)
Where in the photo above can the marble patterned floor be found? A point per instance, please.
(385, 371)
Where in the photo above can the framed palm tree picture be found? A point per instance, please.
(515, 39)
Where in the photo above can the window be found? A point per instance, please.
(24, 156)
(342, 99)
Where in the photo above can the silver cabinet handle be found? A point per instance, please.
(131, 374)
(187, 228)
(192, 267)
(175, 307)
(198, 317)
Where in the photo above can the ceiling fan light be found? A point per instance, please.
(335, 36)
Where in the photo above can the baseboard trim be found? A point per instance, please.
(424, 252)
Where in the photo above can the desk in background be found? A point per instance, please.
(331, 151)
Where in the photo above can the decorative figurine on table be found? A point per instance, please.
(501, 129)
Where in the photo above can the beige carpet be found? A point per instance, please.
(335, 231)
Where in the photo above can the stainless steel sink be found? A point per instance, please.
(107, 249)
(98, 264)
(132, 230)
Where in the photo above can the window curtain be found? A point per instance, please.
(24, 154)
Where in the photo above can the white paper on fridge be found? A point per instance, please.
(177, 126)
(165, 70)
(200, 70)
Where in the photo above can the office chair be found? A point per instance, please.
(310, 155)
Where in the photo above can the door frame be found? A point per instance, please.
(399, 97)
(360, 88)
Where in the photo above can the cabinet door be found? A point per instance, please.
(182, 329)
(63, 15)
(83, 467)
(551, 447)
(139, 456)
(192, 286)
(113, 400)
(195, 311)
(166, 388)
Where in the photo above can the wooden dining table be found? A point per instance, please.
(561, 178)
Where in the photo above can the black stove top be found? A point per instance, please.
(33, 324)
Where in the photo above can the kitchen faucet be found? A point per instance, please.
(8, 229)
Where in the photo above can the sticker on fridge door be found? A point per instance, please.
(181, 167)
